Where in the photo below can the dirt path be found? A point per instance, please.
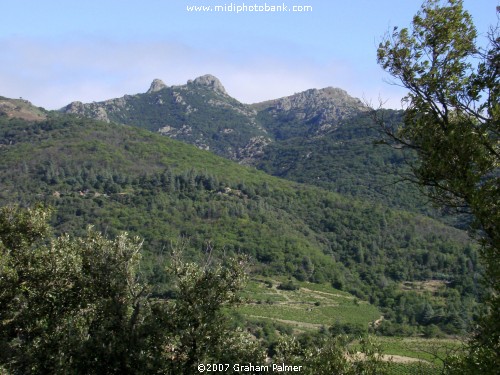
(329, 294)
(401, 359)
(298, 324)
(391, 358)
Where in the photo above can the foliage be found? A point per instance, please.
(193, 328)
(345, 161)
(79, 306)
(289, 285)
(452, 123)
(453, 129)
(60, 299)
(119, 178)
(331, 355)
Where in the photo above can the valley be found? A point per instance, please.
(336, 225)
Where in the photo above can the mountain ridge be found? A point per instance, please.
(199, 112)
(121, 178)
(244, 135)
(322, 136)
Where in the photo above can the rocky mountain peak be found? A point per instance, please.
(326, 97)
(340, 96)
(156, 85)
(320, 110)
(210, 81)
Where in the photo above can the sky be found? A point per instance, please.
(53, 52)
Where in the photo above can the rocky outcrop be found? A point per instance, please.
(93, 110)
(253, 150)
(74, 107)
(156, 85)
(210, 81)
(323, 109)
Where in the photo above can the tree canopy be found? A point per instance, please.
(78, 305)
(452, 109)
(452, 122)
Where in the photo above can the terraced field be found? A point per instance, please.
(311, 306)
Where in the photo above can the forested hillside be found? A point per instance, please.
(120, 178)
(320, 137)
(347, 160)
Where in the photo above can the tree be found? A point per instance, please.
(66, 304)
(78, 305)
(193, 327)
(331, 355)
(451, 122)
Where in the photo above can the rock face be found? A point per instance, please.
(156, 85)
(92, 110)
(320, 111)
(209, 80)
(74, 107)
(203, 114)
(329, 103)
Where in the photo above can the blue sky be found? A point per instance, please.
(54, 52)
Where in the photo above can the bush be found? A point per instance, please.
(81, 308)
(289, 285)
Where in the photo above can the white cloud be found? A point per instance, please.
(54, 73)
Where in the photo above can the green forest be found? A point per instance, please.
(180, 231)
(123, 179)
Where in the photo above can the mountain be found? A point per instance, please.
(328, 138)
(121, 178)
(322, 137)
(200, 113)
(309, 113)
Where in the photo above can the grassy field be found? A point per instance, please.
(313, 306)
(414, 355)
(310, 306)
(413, 369)
(431, 350)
